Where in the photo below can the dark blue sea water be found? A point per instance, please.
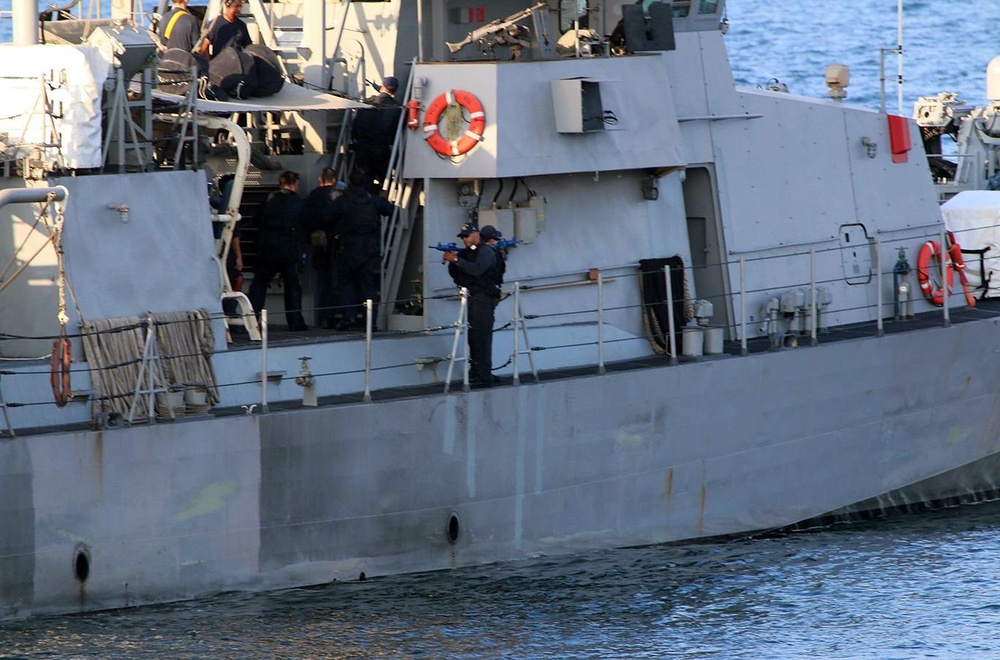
(909, 586)
(945, 47)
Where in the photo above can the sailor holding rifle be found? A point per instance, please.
(473, 268)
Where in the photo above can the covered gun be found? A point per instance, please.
(493, 27)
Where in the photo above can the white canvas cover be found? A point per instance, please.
(75, 77)
(974, 218)
(291, 98)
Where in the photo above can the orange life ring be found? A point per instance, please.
(472, 136)
(929, 251)
(958, 263)
(59, 374)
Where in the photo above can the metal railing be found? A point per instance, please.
(745, 332)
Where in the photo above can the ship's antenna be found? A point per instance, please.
(899, 54)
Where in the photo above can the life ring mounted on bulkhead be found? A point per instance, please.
(472, 136)
(929, 270)
(929, 262)
(928, 274)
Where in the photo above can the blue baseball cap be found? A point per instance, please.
(489, 232)
(467, 229)
(390, 83)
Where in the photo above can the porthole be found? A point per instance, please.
(453, 527)
(81, 562)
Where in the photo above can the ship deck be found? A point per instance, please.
(279, 336)
(984, 309)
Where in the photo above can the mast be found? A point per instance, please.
(25, 22)
(899, 54)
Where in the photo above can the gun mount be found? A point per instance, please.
(507, 32)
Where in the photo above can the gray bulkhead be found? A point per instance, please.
(595, 213)
(148, 232)
(771, 155)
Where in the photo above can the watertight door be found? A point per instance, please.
(856, 253)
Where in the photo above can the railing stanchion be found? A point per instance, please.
(813, 341)
(600, 322)
(878, 284)
(743, 309)
(517, 328)
(463, 294)
(944, 278)
(670, 316)
(368, 350)
(263, 360)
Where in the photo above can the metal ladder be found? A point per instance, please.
(397, 231)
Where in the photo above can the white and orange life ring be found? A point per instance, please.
(473, 134)
(933, 291)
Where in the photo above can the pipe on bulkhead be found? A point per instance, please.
(306, 381)
(32, 195)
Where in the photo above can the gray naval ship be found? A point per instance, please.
(726, 310)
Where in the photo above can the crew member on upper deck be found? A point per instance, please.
(179, 28)
(374, 132)
(227, 28)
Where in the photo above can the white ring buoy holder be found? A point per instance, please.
(465, 142)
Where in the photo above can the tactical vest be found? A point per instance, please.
(362, 216)
(279, 223)
(495, 274)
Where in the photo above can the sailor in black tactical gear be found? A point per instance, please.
(356, 220)
(374, 131)
(473, 269)
(278, 249)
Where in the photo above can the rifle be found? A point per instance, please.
(506, 243)
(447, 247)
(502, 244)
(493, 27)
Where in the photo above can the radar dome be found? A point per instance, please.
(993, 79)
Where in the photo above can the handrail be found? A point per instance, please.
(808, 318)
(396, 189)
(461, 329)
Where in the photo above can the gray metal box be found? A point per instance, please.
(127, 48)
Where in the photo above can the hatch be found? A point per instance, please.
(856, 253)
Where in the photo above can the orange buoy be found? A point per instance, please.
(465, 142)
(958, 263)
(931, 251)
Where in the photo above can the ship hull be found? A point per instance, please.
(166, 512)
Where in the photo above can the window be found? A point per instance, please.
(708, 6)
